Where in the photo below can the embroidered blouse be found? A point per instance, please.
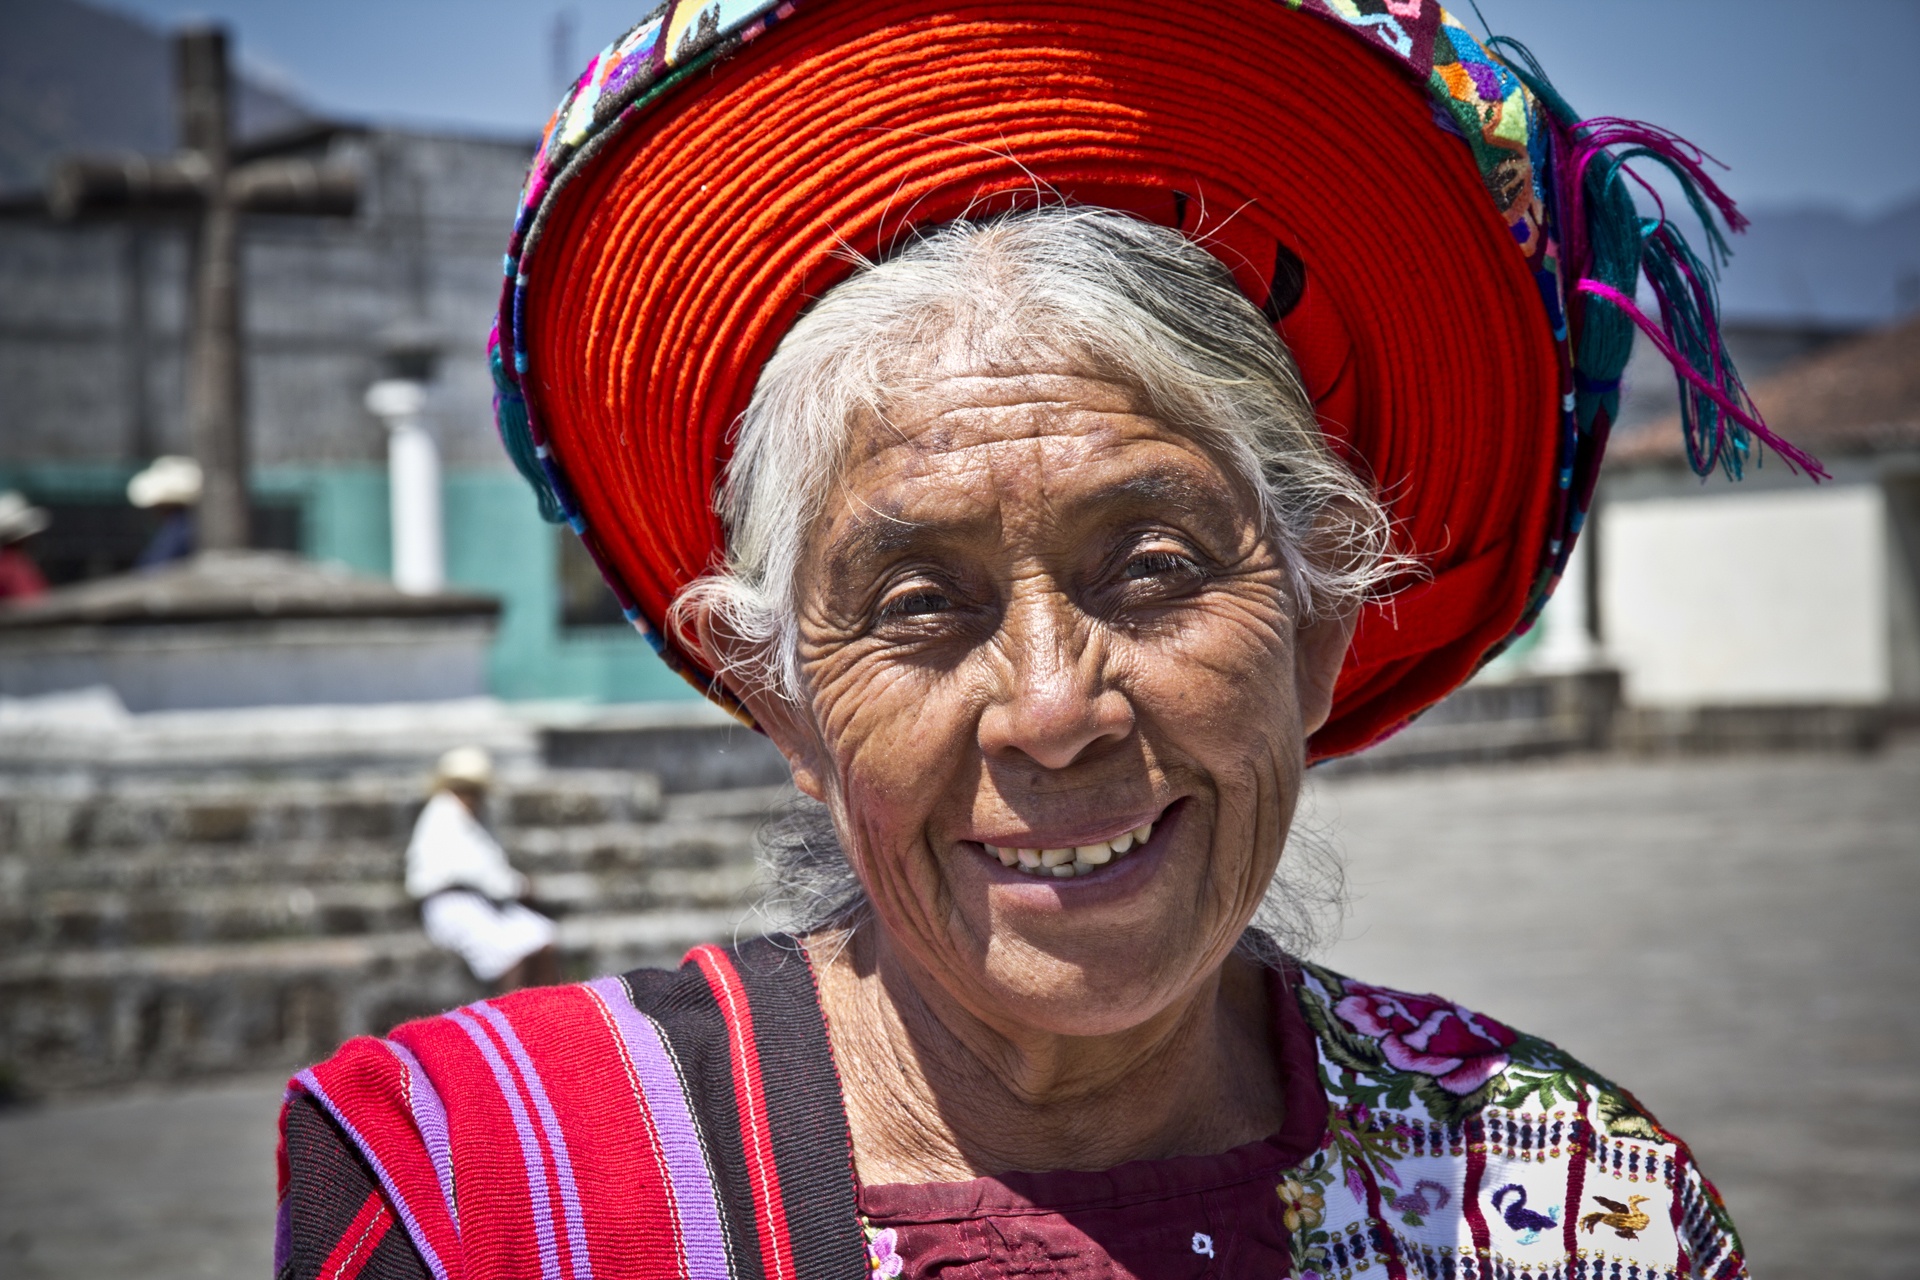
(690, 1124)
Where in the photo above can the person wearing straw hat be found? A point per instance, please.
(20, 576)
(169, 487)
(469, 894)
(1056, 426)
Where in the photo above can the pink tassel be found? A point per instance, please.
(1794, 457)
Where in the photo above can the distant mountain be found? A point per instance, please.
(77, 78)
(1822, 268)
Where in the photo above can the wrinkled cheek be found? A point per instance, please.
(883, 815)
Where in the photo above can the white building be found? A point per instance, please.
(1773, 592)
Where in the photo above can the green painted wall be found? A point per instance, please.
(496, 543)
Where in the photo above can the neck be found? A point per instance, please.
(937, 1094)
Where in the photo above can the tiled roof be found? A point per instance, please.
(1859, 397)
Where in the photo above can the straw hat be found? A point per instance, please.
(464, 767)
(171, 481)
(1448, 252)
(20, 518)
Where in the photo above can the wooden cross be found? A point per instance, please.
(203, 181)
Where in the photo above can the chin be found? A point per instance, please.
(1091, 982)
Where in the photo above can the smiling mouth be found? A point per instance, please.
(1081, 860)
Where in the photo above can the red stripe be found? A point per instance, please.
(357, 1243)
(625, 1196)
(776, 1246)
(365, 1088)
(1581, 1140)
(556, 1204)
(1476, 1135)
(1383, 1241)
(486, 1151)
(1676, 1211)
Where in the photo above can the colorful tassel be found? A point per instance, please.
(516, 433)
(1607, 246)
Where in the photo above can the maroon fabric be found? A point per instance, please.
(1187, 1217)
(19, 577)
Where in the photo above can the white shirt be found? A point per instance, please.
(451, 850)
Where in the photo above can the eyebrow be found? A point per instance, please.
(878, 536)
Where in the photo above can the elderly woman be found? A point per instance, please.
(1054, 427)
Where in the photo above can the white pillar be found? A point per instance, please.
(413, 480)
(1566, 624)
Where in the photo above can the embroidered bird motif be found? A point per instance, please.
(1627, 1220)
(1528, 1222)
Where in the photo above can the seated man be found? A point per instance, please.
(469, 894)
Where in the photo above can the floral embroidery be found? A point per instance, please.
(1461, 1050)
(883, 1259)
(1304, 1208)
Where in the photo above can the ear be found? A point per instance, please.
(1319, 651)
(787, 724)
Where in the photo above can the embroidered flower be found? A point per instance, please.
(1460, 1049)
(1300, 1207)
(883, 1261)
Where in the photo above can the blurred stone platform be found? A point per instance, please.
(156, 928)
(1732, 938)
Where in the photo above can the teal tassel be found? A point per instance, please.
(516, 433)
(1607, 246)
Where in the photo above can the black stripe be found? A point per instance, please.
(330, 1182)
(812, 1146)
(690, 1020)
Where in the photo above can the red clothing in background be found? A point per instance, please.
(20, 577)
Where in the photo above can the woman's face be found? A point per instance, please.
(1033, 618)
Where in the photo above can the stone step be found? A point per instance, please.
(609, 849)
(81, 1018)
(77, 813)
(203, 914)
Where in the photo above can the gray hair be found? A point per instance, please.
(1137, 303)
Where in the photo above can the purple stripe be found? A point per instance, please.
(529, 1145)
(312, 1085)
(430, 1118)
(282, 1234)
(556, 1141)
(701, 1234)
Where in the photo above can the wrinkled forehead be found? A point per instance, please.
(998, 456)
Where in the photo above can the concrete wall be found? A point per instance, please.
(1765, 596)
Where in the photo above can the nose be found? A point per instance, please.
(1054, 702)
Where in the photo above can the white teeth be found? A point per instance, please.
(1066, 863)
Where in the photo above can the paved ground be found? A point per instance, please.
(1734, 940)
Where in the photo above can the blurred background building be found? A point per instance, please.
(93, 327)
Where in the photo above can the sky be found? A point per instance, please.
(1808, 104)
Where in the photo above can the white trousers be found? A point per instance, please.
(491, 938)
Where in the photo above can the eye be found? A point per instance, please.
(1159, 564)
(915, 603)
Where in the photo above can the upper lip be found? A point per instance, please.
(1071, 838)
